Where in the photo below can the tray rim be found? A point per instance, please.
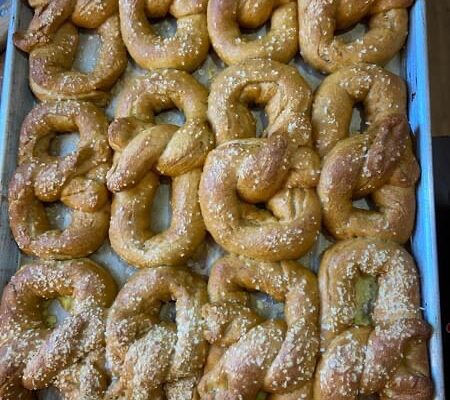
(423, 242)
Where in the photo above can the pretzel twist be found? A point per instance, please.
(52, 76)
(319, 20)
(378, 163)
(250, 354)
(380, 93)
(225, 17)
(186, 50)
(386, 355)
(49, 16)
(150, 358)
(144, 150)
(34, 356)
(76, 179)
(280, 169)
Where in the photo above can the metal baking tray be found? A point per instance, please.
(412, 64)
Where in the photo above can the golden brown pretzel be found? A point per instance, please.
(280, 169)
(186, 50)
(380, 164)
(380, 92)
(250, 354)
(51, 73)
(153, 359)
(225, 17)
(76, 179)
(33, 355)
(50, 15)
(319, 20)
(142, 149)
(383, 353)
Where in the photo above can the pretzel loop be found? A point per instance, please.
(225, 17)
(35, 356)
(280, 169)
(319, 20)
(249, 354)
(387, 354)
(150, 357)
(142, 149)
(76, 179)
(186, 50)
(51, 73)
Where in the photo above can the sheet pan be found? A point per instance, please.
(17, 100)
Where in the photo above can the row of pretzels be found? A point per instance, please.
(281, 169)
(52, 37)
(219, 347)
(355, 330)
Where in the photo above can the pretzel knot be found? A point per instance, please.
(382, 353)
(51, 73)
(76, 179)
(186, 50)
(49, 15)
(153, 358)
(250, 354)
(379, 163)
(279, 170)
(35, 356)
(225, 17)
(320, 19)
(380, 92)
(144, 151)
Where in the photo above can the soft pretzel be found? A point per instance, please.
(186, 50)
(384, 354)
(250, 354)
(76, 179)
(225, 17)
(144, 150)
(380, 164)
(150, 358)
(51, 73)
(280, 169)
(50, 15)
(34, 356)
(380, 92)
(320, 19)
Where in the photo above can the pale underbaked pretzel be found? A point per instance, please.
(51, 73)
(153, 359)
(49, 16)
(250, 354)
(380, 164)
(76, 179)
(225, 17)
(32, 354)
(387, 355)
(280, 169)
(186, 50)
(319, 20)
(143, 150)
